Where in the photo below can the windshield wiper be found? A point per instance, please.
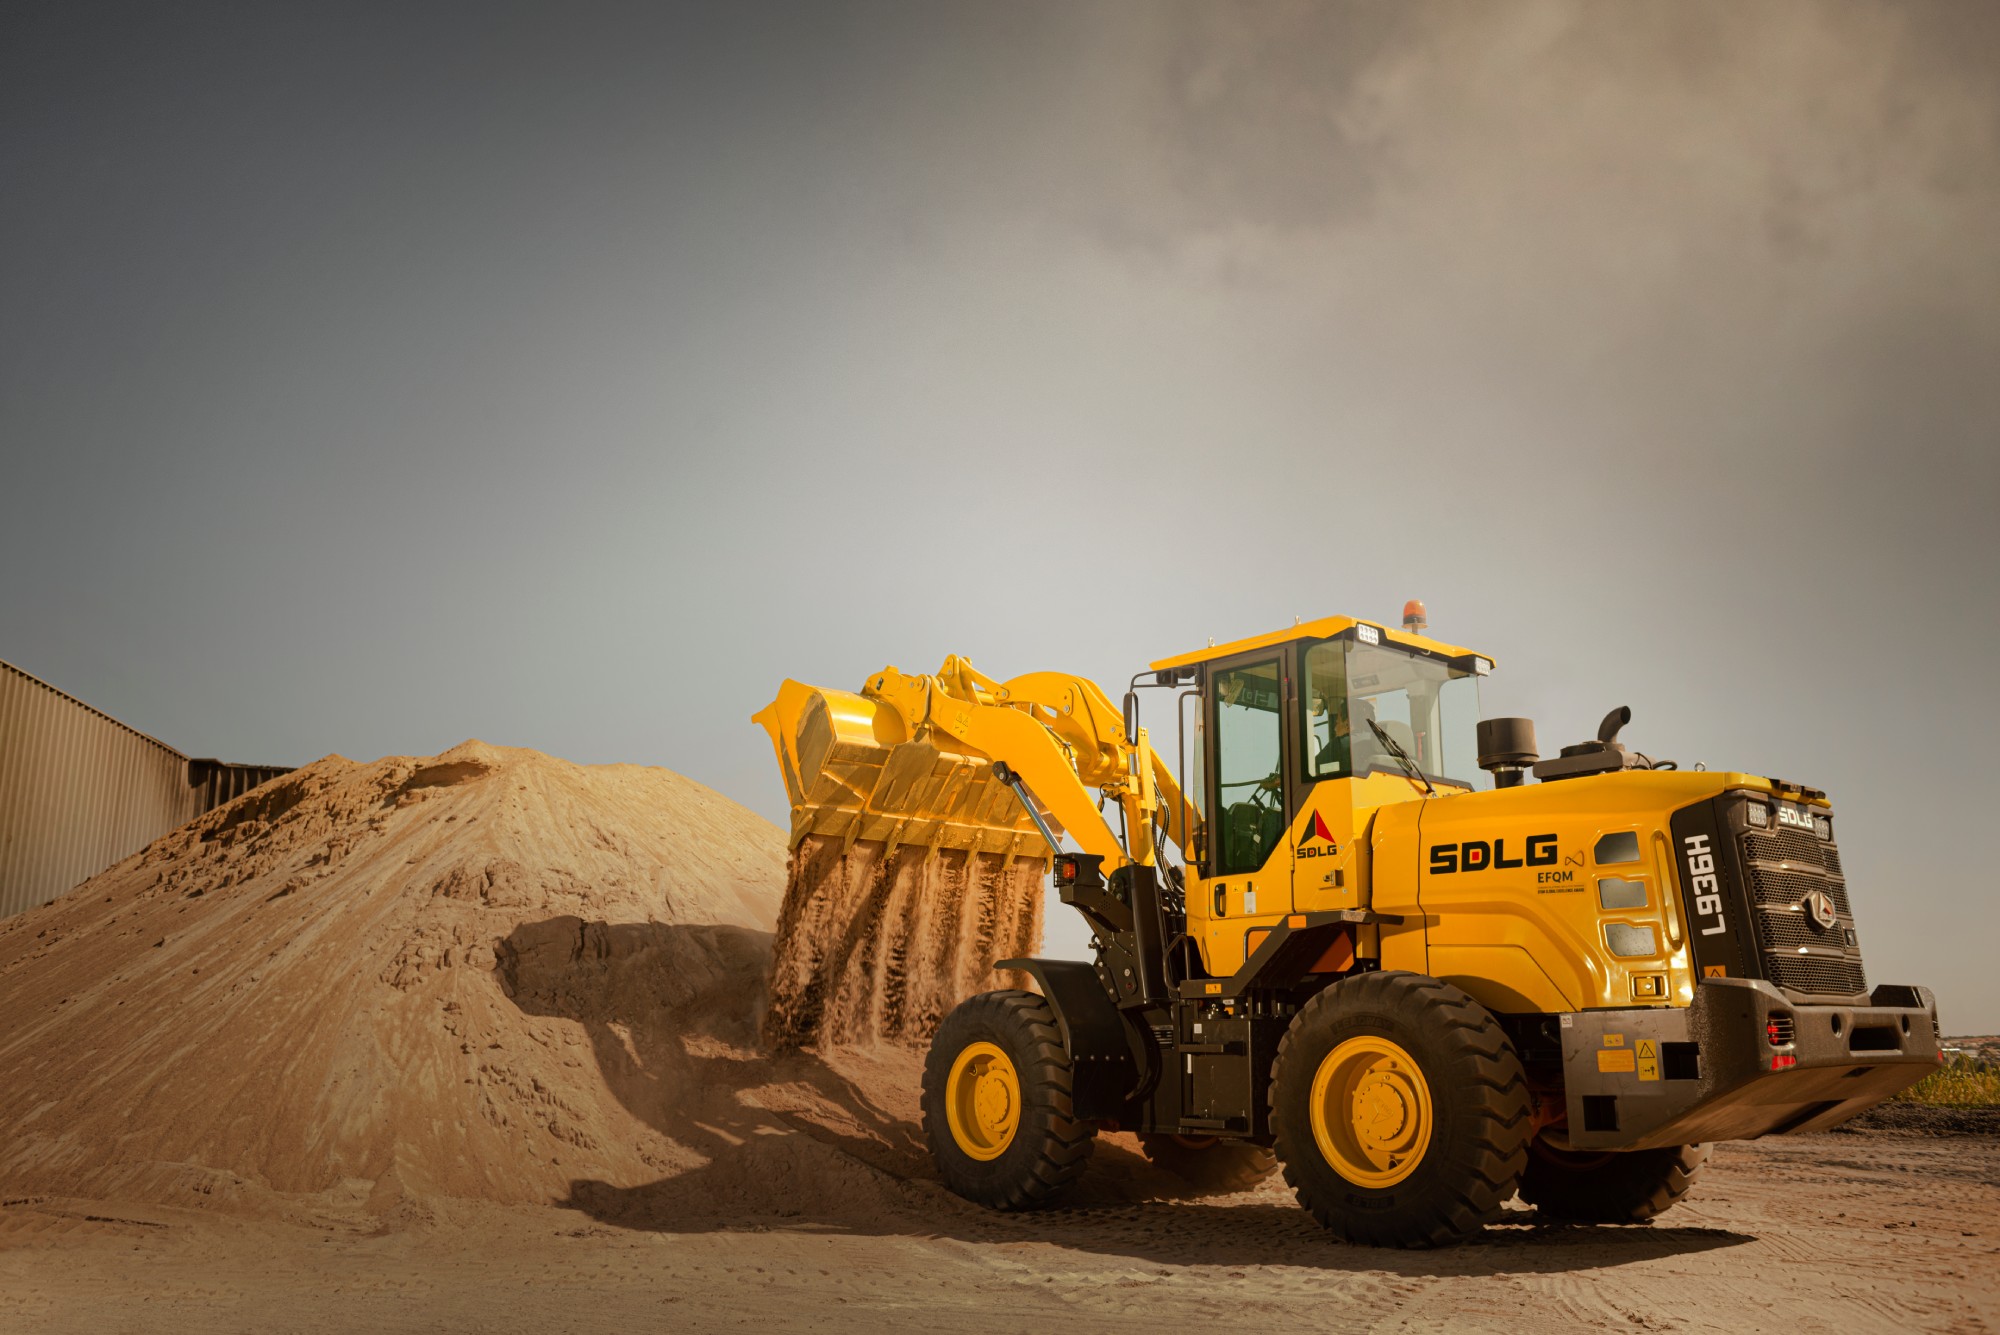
(1398, 752)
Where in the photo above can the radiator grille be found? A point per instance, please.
(1795, 847)
(1771, 887)
(1782, 868)
(1779, 929)
(1818, 974)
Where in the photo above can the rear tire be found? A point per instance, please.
(1631, 1187)
(1401, 1113)
(998, 1110)
(1212, 1167)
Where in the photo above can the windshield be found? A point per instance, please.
(1426, 706)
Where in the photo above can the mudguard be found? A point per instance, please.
(1093, 1032)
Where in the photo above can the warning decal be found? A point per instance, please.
(1714, 971)
(1649, 1059)
(1612, 1060)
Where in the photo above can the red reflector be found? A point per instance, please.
(1783, 1061)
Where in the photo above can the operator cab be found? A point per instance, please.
(1299, 737)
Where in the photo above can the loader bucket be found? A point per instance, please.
(852, 773)
(913, 869)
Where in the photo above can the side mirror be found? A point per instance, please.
(1131, 718)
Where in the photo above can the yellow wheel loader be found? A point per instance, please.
(1418, 993)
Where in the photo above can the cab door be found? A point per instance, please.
(1252, 796)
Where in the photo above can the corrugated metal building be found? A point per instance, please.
(79, 790)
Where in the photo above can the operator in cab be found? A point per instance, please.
(1350, 746)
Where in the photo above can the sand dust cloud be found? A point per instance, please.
(872, 945)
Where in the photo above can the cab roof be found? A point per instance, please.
(1324, 628)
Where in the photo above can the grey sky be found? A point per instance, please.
(566, 375)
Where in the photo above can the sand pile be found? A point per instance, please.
(872, 945)
(489, 974)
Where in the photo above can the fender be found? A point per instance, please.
(1093, 1033)
(1289, 949)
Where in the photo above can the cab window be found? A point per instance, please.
(1326, 714)
(1249, 791)
(1362, 703)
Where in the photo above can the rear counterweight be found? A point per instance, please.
(1743, 1061)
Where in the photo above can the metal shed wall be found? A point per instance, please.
(219, 782)
(80, 791)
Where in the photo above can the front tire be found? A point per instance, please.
(1401, 1112)
(998, 1107)
(1628, 1187)
(1212, 1167)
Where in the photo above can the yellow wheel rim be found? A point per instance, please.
(1371, 1111)
(982, 1101)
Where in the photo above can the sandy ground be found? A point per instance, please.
(1844, 1232)
(471, 1042)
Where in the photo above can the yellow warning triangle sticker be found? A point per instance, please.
(1647, 1048)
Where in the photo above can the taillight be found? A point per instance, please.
(1778, 1028)
(1783, 1061)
